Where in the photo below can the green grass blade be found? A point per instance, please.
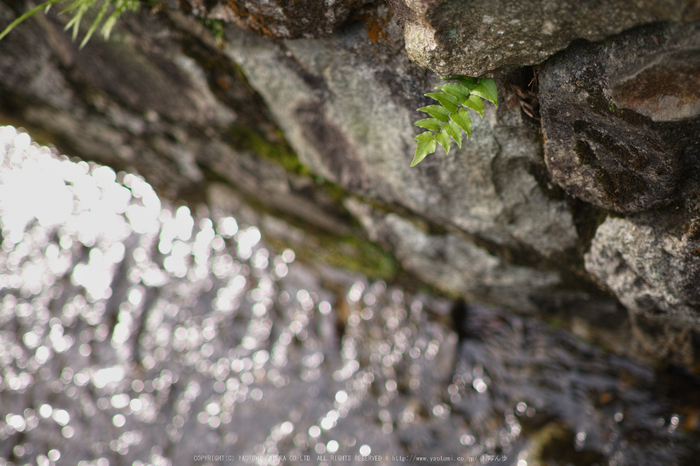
(26, 15)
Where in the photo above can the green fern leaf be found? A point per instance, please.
(463, 119)
(456, 90)
(426, 145)
(428, 123)
(77, 17)
(444, 140)
(455, 132)
(109, 24)
(466, 81)
(468, 93)
(436, 111)
(487, 89)
(447, 101)
(475, 103)
(120, 7)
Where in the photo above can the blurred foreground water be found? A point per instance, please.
(133, 332)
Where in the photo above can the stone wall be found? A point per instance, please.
(575, 199)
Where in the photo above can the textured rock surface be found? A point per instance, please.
(614, 157)
(282, 18)
(652, 264)
(453, 263)
(346, 106)
(317, 136)
(665, 88)
(161, 100)
(485, 38)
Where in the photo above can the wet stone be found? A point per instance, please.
(624, 153)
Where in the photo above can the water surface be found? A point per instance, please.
(136, 332)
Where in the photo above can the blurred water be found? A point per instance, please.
(134, 332)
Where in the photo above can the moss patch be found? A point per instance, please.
(349, 253)
(245, 138)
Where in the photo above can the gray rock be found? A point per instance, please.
(486, 38)
(653, 267)
(347, 108)
(282, 18)
(228, 119)
(614, 157)
(665, 88)
(455, 264)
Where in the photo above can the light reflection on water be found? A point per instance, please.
(134, 332)
(120, 314)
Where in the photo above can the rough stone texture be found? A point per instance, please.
(653, 266)
(452, 263)
(615, 157)
(160, 99)
(317, 135)
(281, 18)
(486, 38)
(666, 88)
(346, 106)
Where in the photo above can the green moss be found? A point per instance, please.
(215, 27)
(355, 254)
(600, 103)
(349, 253)
(245, 138)
(334, 191)
(580, 126)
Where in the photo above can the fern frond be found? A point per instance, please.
(451, 118)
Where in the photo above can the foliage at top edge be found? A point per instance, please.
(108, 12)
